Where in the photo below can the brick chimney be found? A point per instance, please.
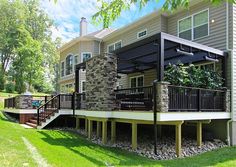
(83, 26)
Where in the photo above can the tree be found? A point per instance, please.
(26, 46)
(110, 10)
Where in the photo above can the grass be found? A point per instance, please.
(62, 148)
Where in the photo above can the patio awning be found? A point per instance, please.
(161, 49)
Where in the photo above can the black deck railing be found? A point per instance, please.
(196, 99)
(139, 98)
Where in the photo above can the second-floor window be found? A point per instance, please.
(194, 26)
(85, 56)
(62, 69)
(76, 59)
(69, 64)
(114, 46)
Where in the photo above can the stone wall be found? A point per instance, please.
(23, 102)
(101, 78)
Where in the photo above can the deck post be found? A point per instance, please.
(86, 125)
(98, 128)
(199, 134)
(113, 131)
(77, 123)
(134, 135)
(104, 131)
(178, 139)
(90, 128)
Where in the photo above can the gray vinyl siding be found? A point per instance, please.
(217, 34)
(234, 65)
(153, 26)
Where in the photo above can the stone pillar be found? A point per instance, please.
(162, 97)
(23, 102)
(101, 78)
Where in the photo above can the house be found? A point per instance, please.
(77, 51)
(124, 83)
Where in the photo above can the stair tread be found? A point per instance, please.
(31, 124)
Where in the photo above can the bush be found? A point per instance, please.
(193, 77)
(10, 87)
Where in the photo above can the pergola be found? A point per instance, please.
(157, 51)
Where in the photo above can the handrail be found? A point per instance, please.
(140, 87)
(44, 105)
(48, 101)
(196, 88)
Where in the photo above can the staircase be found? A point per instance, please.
(45, 118)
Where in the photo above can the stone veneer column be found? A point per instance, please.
(101, 78)
(162, 97)
(227, 101)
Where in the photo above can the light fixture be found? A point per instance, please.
(211, 59)
(184, 52)
(212, 21)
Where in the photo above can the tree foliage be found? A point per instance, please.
(26, 46)
(110, 10)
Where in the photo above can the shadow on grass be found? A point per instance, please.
(95, 153)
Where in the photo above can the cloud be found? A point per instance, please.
(67, 14)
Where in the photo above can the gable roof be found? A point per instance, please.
(94, 36)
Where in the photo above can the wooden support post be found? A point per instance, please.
(199, 134)
(98, 128)
(77, 123)
(113, 131)
(86, 125)
(134, 135)
(90, 128)
(104, 131)
(178, 139)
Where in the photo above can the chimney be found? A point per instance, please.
(83, 26)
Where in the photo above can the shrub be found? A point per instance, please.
(193, 77)
(10, 87)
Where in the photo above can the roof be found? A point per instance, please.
(96, 36)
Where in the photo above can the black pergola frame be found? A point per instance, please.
(159, 40)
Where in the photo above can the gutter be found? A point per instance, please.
(231, 63)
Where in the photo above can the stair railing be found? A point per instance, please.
(42, 111)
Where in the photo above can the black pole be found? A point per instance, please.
(73, 103)
(155, 114)
(59, 102)
(38, 116)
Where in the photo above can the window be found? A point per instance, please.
(69, 64)
(137, 81)
(141, 34)
(114, 46)
(195, 26)
(85, 56)
(76, 59)
(62, 69)
(82, 86)
(206, 66)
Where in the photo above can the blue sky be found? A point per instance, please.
(67, 13)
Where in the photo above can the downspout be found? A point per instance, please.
(231, 63)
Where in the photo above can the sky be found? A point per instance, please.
(67, 14)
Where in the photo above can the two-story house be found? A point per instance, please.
(77, 51)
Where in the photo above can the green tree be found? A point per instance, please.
(110, 10)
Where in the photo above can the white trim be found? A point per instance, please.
(81, 86)
(137, 76)
(192, 24)
(142, 32)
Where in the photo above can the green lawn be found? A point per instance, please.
(61, 148)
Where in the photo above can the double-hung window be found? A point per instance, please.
(114, 46)
(137, 81)
(69, 64)
(62, 69)
(82, 86)
(194, 26)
